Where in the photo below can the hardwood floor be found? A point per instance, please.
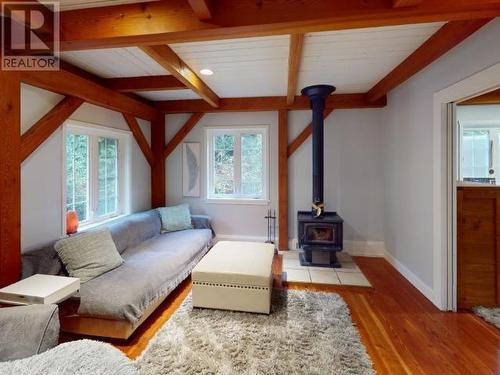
(403, 332)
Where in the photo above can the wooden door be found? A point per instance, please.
(478, 246)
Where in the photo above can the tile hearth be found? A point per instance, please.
(348, 274)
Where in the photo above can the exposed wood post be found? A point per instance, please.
(158, 189)
(283, 179)
(10, 178)
(47, 125)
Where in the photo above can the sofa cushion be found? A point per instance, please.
(175, 218)
(131, 230)
(150, 271)
(89, 254)
(27, 330)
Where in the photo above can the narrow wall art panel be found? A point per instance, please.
(191, 169)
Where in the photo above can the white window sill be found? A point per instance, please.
(237, 201)
(93, 225)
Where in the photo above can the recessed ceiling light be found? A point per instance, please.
(206, 72)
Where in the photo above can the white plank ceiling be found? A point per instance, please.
(115, 62)
(242, 67)
(352, 60)
(355, 60)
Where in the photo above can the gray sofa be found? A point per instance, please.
(117, 302)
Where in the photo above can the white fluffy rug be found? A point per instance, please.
(82, 357)
(490, 314)
(306, 333)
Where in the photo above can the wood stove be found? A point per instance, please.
(319, 234)
(319, 231)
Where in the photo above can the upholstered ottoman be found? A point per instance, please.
(235, 276)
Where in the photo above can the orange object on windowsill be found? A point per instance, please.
(71, 222)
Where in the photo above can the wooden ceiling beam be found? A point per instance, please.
(69, 83)
(181, 134)
(47, 125)
(304, 134)
(167, 58)
(492, 97)
(266, 103)
(294, 58)
(202, 8)
(447, 37)
(405, 3)
(139, 137)
(146, 83)
(173, 21)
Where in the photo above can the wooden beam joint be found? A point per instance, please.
(139, 137)
(47, 125)
(182, 133)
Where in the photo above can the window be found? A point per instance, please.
(237, 163)
(95, 177)
(479, 159)
(476, 154)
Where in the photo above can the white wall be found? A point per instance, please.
(243, 221)
(353, 173)
(408, 154)
(41, 173)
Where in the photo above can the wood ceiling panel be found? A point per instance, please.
(115, 62)
(355, 60)
(242, 67)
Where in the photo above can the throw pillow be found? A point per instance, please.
(88, 255)
(175, 218)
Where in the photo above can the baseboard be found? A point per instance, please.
(365, 248)
(411, 277)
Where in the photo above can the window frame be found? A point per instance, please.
(94, 131)
(238, 130)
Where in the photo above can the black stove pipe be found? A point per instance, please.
(317, 95)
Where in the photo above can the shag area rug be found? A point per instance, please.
(81, 357)
(490, 314)
(306, 333)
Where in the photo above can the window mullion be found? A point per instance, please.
(94, 182)
(237, 165)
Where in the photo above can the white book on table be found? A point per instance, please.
(40, 289)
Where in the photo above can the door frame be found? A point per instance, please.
(444, 181)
